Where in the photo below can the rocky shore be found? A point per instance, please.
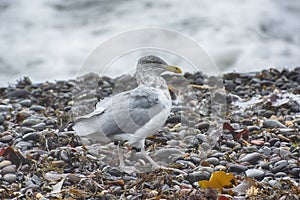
(257, 155)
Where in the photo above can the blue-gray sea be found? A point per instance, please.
(51, 39)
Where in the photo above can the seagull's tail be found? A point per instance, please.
(88, 128)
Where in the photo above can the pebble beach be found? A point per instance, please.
(256, 156)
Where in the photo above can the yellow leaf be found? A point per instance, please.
(219, 180)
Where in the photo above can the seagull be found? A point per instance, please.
(133, 115)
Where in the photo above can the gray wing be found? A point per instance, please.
(122, 113)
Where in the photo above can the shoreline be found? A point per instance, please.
(42, 158)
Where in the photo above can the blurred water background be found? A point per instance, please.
(50, 39)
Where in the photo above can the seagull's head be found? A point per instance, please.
(157, 65)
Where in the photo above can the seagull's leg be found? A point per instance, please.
(121, 158)
(154, 164)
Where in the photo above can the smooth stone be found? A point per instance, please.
(5, 163)
(198, 176)
(213, 161)
(282, 152)
(201, 137)
(73, 178)
(37, 108)
(25, 102)
(280, 174)
(39, 126)
(252, 158)
(189, 139)
(274, 183)
(31, 122)
(178, 119)
(206, 169)
(195, 160)
(23, 145)
(26, 130)
(25, 168)
(23, 114)
(34, 136)
(250, 149)
(272, 141)
(269, 174)
(2, 119)
(202, 125)
(217, 155)
(273, 124)
(277, 144)
(11, 169)
(205, 146)
(5, 108)
(265, 150)
(10, 178)
(278, 166)
(255, 173)
(7, 138)
(237, 168)
(253, 128)
(247, 122)
(18, 93)
(232, 144)
(264, 165)
(295, 172)
(266, 113)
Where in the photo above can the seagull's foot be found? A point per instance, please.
(174, 170)
(157, 166)
(129, 169)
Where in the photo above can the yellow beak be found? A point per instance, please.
(175, 69)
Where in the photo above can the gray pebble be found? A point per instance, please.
(237, 168)
(8, 169)
(280, 174)
(198, 176)
(280, 165)
(201, 137)
(26, 130)
(253, 128)
(205, 146)
(232, 144)
(23, 145)
(272, 141)
(295, 172)
(213, 161)
(247, 122)
(25, 102)
(2, 119)
(5, 163)
(255, 173)
(269, 174)
(34, 136)
(202, 125)
(31, 122)
(265, 150)
(39, 126)
(274, 183)
(250, 149)
(195, 160)
(37, 108)
(5, 108)
(10, 178)
(251, 158)
(206, 169)
(273, 124)
(7, 138)
(177, 119)
(264, 165)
